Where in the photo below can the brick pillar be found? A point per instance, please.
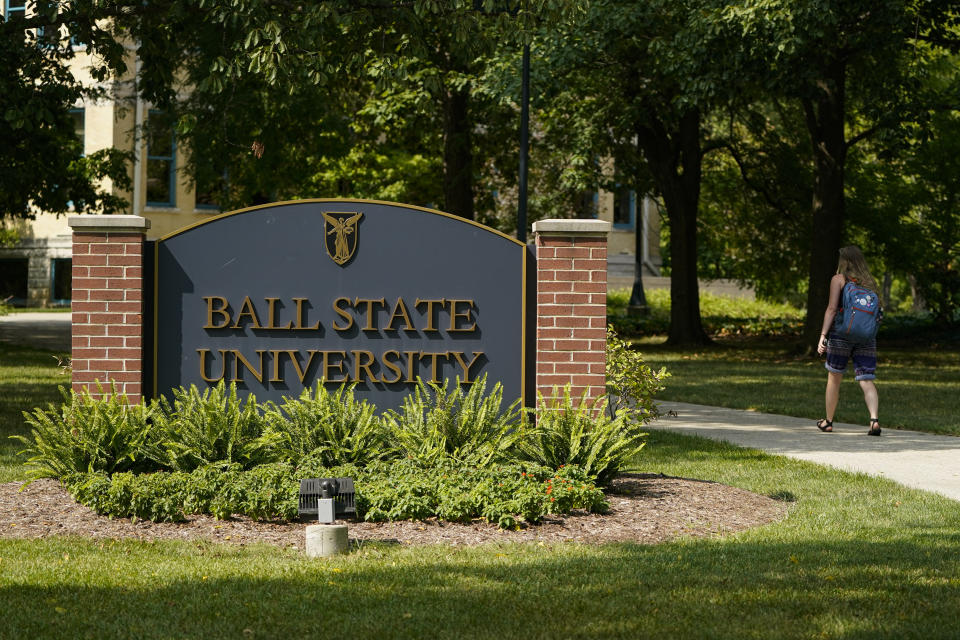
(108, 302)
(571, 305)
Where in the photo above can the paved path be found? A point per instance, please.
(42, 330)
(919, 460)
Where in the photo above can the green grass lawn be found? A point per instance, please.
(917, 386)
(856, 557)
(28, 378)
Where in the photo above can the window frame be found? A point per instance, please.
(171, 173)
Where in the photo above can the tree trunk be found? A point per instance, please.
(457, 154)
(825, 123)
(675, 162)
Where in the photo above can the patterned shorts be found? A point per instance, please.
(839, 352)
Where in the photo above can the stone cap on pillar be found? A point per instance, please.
(572, 227)
(108, 223)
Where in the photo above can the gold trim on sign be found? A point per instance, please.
(337, 201)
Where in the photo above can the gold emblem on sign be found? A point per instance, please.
(340, 234)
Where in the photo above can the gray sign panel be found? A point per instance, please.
(278, 297)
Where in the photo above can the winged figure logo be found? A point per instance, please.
(340, 234)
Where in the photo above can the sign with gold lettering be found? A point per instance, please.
(279, 297)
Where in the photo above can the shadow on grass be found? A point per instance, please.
(726, 589)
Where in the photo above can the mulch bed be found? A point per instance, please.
(644, 508)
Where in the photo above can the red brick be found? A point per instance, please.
(127, 377)
(572, 322)
(546, 298)
(554, 356)
(546, 252)
(98, 305)
(106, 295)
(553, 333)
(545, 345)
(598, 369)
(591, 287)
(590, 241)
(598, 276)
(124, 260)
(78, 318)
(554, 287)
(573, 367)
(108, 341)
(77, 272)
(552, 379)
(124, 283)
(133, 341)
(90, 352)
(105, 248)
(80, 248)
(573, 298)
(572, 276)
(555, 310)
(572, 345)
(80, 294)
(573, 252)
(125, 330)
(106, 272)
(107, 365)
(591, 310)
(79, 341)
(106, 318)
(553, 241)
(132, 318)
(598, 253)
(590, 265)
(90, 329)
(135, 273)
(550, 264)
(128, 306)
(134, 249)
(90, 283)
(124, 353)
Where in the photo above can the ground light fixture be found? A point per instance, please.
(327, 499)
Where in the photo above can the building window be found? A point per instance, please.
(13, 281)
(161, 161)
(14, 9)
(79, 122)
(61, 280)
(624, 209)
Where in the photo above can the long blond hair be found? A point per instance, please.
(854, 267)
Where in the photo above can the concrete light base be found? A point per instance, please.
(325, 540)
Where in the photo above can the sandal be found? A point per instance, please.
(826, 425)
(874, 427)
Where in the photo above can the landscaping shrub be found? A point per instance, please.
(402, 490)
(88, 434)
(434, 424)
(582, 434)
(334, 427)
(631, 383)
(214, 426)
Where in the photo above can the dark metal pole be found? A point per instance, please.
(524, 145)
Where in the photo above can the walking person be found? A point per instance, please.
(849, 333)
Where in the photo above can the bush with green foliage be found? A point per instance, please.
(631, 383)
(454, 454)
(434, 424)
(88, 433)
(334, 427)
(400, 490)
(582, 434)
(213, 426)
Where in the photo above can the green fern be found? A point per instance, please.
(470, 427)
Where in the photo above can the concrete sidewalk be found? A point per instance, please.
(918, 460)
(40, 330)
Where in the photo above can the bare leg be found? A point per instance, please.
(833, 393)
(870, 396)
